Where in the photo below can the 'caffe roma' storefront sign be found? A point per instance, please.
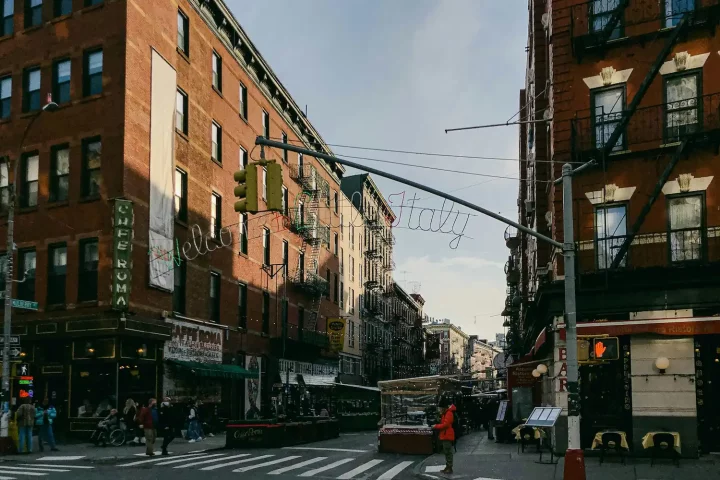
(122, 254)
(192, 342)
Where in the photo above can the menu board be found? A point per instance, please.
(502, 409)
(543, 416)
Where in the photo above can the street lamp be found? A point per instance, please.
(50, 106)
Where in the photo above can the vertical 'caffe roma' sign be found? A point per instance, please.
(122, 254)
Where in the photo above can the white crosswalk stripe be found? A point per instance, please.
(312, 473)
(7, 478)
(297, 465)
(155, 460)
(214, 460)
(33, 469)
(80, 467)
(357, 471)
(236, 462)
(265, 464)
(390, 474)
(181, 460)
(31, 474)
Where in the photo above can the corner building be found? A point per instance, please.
(160, 103)
(633, 87)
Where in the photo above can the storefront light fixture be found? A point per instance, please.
(662, 364)
(542, 368)
(536, 373)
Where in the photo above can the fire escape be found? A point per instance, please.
(658, 131)
(305, 222)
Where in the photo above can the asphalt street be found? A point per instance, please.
(350, 457)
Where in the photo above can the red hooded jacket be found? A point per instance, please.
(445, 425)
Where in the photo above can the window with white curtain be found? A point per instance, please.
(608, 105)
(610, 232)
(681, 93)
(685, 218)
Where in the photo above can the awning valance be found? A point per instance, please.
(215, 370)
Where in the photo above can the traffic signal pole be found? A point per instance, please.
(576, 468)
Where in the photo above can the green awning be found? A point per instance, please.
(215, 370)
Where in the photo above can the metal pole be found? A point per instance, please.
(570, 313)
(262, 141)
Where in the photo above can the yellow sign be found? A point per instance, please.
(336, 333)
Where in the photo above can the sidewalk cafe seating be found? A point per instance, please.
(612, 441)
(528, 436)
(665, 445)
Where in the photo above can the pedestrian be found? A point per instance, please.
(44, 416)
(130, 413)
(168, 423)
(149, 420)
(194, 431)
(105, 427)
(447, 434)
(25, 419)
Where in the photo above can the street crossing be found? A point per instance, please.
(34, 470)
(299, 464)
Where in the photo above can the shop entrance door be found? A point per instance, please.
(602, 399)
(707, 385)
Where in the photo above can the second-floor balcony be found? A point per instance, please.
(308, 226)
(596, 24)
(310, 283)
(649, 128)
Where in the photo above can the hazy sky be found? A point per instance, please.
(395, 74)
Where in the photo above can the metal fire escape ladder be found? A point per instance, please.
(669, 44)
(316, 241)
(645, 85)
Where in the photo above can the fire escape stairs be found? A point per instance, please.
(314, 261)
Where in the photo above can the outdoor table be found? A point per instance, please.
(648, 441)
(597, 441)
(539, 433)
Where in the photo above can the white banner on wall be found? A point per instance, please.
(162, 154)
(252, 388)
(192, 342)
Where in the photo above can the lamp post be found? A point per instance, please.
(50, 106)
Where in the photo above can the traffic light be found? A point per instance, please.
(606, 348)
(247, 189)
(274, 187)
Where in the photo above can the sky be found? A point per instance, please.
(394, 74)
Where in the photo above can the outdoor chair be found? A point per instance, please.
(664, 446)
(527, 437)
(612, 441)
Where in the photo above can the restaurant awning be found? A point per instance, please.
(215, 370)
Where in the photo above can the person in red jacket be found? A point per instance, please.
(149, 420)
(447, 434)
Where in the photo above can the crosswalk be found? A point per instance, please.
(33, 470)
(294, 463)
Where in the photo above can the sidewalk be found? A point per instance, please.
(478, 458)
(90, 453)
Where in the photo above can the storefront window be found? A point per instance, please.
(93, 389)
(137, 381)
(138, 349)
(94, 348)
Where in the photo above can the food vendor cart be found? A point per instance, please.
(408, 411)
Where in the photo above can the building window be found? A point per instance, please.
(180, 195)
(266, 124)
(264, 183)
(90, 3)
(266, 246)
(243, 233)
(92, 82)
(610, 233)
(183, 33)
(685, 217)
(242, 305)
(216, 72)
(3, 270)
(301, 321)
(215, 297)
(33, 13)
(336, 200)
(342, 296)
(284, 317)
(300, 163)
(342, 228)
(181, 108)
(243, 158)
(266, 313)
(216, 152)
(26, 271)
(352, 234)
(284, 138)
(352, 268)
(57, 273)
(243, 101)
(6, 17)
(342, 260)
(352, 301)
(335, 244)
(179, 279)
(675, 9)
(31, 90)
(88, 274)
(285, 201)
(5, 97)
(29, 191)
(681, 117)
(600, 14)
(301, 267)
(62, 7)
(61, 81)
(91, 164)
(327, 278)
(285, 252)
(4, 185)
(215, 215)
(59, 173)
(608, 106)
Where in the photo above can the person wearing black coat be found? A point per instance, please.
(168, 423)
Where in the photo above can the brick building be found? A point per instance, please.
(633, 87)
(160, 102)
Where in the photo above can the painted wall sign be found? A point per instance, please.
(122, 254)
(192, 342)
(252, 388)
